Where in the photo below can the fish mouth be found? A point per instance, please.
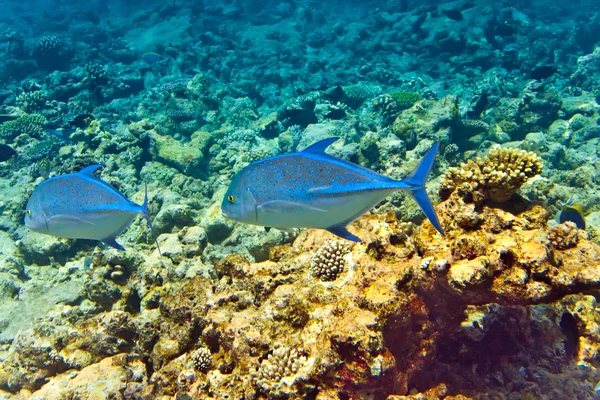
(223, 213)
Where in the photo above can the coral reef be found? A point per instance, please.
(31, 125)
(272, 331)
(496, 177)
(503, 306)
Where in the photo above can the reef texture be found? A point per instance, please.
(407, 314)
(497, 176)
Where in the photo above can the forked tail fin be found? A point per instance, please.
(147, 216)
(416, 182)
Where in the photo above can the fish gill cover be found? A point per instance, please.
(182, 95)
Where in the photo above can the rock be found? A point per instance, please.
(104, 380)
(187, 158)
(217, 227)
(41, 249)
(171, 216)
(314, 133)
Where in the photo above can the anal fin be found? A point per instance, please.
(342, 232)
(112, 242)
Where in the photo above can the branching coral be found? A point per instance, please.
(472, 127)
(276, 373)
(356, 94)
(31, 101)
(404, 99)
(328, 262)
(31, 125)
(497, 177)
(95, 75)
(48, 45)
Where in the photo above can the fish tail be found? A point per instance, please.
(147, 216)
(416, 182)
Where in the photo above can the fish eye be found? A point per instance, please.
(28, 212)
(231, 198)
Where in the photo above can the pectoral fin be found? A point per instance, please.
(342, 232)
(286, 207)
(113, 243)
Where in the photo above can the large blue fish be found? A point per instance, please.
(311, 189)
(81, 206)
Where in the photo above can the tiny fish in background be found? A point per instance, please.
(6, 152)
(151, 58)
(454, 15)
(60, 133)
(43, 168)
(543, 72)
(311, 189)
(504, 30)
(81, 121)
(81, 206)
(88, 39)
(7, 117)
(571, 212)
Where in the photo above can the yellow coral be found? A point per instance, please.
(497, 176)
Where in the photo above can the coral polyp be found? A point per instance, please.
(497, 176)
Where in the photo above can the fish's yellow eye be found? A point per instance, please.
(28, 212)
(231, 198)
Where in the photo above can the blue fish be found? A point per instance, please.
(151, 58)
(81, 206)
(311, 189)
(60, 133)
(88, 39)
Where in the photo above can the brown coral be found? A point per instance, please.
(497, 176)
(276, 374)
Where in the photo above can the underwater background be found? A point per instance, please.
(179, 96)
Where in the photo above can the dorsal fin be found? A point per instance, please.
(320, 146)
(89, 170)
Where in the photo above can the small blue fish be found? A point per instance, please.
(311, 189)
(60, 133)
(571, 212)
(81, 206)
(151, 58)
(88, 39)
